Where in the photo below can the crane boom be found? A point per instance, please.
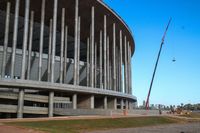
(158, 57)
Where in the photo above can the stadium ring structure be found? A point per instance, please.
(63, 57)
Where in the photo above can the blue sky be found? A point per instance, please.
(175, 82)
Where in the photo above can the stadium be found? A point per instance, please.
(63, 57)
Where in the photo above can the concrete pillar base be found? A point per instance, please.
(20, 104)
(122, 104)
(51, 97)
(92, 102)
(105, 102)
(74, 101)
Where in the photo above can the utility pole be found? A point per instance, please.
(158, 57)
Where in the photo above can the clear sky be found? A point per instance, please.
(175, 82)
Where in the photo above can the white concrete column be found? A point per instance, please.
(127, 104)
(51, 94)
(25, 41)
(130, 72)
(49, 51)
(120, 67)
(78, 50)
(95, 66)
(117, 68)
(100, 62)
(128, 68)
(62, 44)
(88, 61)
(15, 33)
(104, 47)
(20, 106)
(130, 105)
(76, 41)
(74, 101)
(122, 104)
(92, 102)
(125, 66)
(108, 64)
(6, 40)
(25, 38)
(41, 40)
(115, 103)
(105, 102)
(54, 39)
(51, 101)
(30, 45)
(92, 49)
(65, 54)
(114, 58)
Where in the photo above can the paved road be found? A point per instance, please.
(172, 128)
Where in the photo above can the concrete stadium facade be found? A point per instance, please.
(63, 57)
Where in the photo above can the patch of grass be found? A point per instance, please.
(76, 126)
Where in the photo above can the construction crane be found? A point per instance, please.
(158, 57)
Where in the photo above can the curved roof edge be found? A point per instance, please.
(124, 23)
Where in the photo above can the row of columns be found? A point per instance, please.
(105, 102)
(110, 73)
(109, 77)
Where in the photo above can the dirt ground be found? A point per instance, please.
(13, 129)
(171, 128)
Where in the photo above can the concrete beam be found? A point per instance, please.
(11, 83)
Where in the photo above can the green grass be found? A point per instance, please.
(76, 126)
